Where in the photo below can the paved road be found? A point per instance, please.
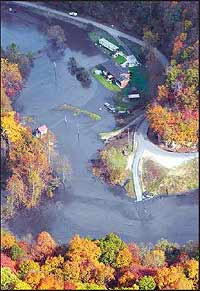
(114, 32)
(142, 144)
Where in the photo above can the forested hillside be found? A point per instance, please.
(25, 169)
(90, 264)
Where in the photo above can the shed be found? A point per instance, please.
(41, 130)
(133, 95)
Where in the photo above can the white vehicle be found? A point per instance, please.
(110, 107)
(73, 13)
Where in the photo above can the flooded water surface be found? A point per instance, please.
(86, 205)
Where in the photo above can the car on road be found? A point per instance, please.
(109, 107)
(73, 13)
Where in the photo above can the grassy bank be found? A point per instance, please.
(105, 83)
(111, 165)
(78, 111)
(159, 180)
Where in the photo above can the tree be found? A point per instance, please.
(124, 258)
(69, 285)
(27, 266)
(17, 253)
(150, 37)
(12, 53)
(33, 278)
(45, 246)
(50, 282)
(82, 248)
(147, 283)
(56, 36)
(172, 277)
(53, 265)
(110, 246)
(8, 279)
(11, 127)
(191, 269)
(154, 258)
(11, 78)
(7, 262)
(7, 240)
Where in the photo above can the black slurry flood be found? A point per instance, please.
(86, 206)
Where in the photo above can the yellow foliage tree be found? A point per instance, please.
(124, 258)
(11, 127)
(83, 248)
(7, 240)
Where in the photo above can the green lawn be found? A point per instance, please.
(105, 83)
(119, 59)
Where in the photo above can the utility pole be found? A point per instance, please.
(132, 140)
(54, 63)
(78, 132)
(48, 150)
(128, 136)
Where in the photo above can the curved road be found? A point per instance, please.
(114, 32)
(142, 144)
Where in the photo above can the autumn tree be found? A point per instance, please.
(154, 258)
(8, 262)
(45, 246)
(7, 240)
(11, 78)
(50, 282)
(27, 266)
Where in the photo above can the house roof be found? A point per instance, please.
(114, 69)
(42, 128)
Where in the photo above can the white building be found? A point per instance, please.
(107, 44)
(131, 61)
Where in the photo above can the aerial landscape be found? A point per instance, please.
(99, 145)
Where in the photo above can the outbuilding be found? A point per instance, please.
(107, 44)
(41, 130)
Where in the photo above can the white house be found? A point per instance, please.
(131, 61)
(107, 44)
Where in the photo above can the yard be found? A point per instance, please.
(159, 180)
(105, 83)
(119, 59)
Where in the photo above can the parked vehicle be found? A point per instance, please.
(109, 107)
(73, 13)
